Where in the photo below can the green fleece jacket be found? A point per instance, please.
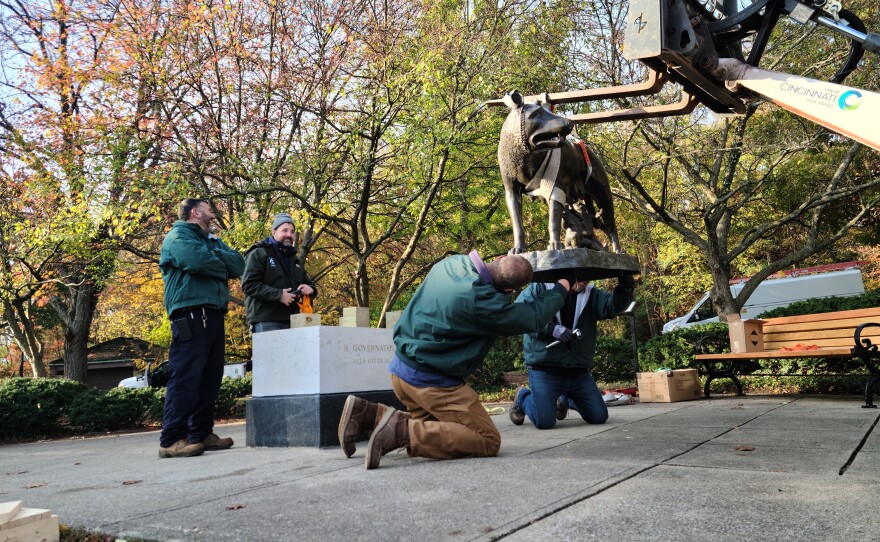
(454, 318)
(196, 268)
(577, 353)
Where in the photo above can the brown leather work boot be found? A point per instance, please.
(182, 448)
(391, 433)
(213, 443)
(359, 417)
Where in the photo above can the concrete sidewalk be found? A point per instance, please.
(653, 472)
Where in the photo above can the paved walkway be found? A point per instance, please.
(732, 468)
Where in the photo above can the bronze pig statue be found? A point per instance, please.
(536, 157)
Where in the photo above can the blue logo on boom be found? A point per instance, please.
(850, 100)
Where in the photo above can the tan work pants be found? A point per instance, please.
(447, 422)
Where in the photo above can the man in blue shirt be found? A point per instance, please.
(560, 376)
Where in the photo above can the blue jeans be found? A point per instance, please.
(580, 393)
(258, 327)
(196, 371)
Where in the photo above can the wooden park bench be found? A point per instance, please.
(841, 335)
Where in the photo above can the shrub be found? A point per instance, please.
(35, 407)
(506, 355)
(157, 405)
(32, 407)
(119, 408)
(676, 350)
(231, 389)
(613, 361)
(228, 398)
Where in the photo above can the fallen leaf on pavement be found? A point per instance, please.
(744, 448)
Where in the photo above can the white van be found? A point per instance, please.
(777, 292)
(158, 377)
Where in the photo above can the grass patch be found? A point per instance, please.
(78, 534)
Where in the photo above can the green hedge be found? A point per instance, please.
(613, 361)
(34, 407)
(99, 410)
(157, 405)
(231, 390)
(676, 350)
(38, 407)
(505, 356)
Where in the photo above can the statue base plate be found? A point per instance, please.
(590, 264)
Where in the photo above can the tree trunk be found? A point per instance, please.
(725, 304)
(77, 321)
(17, 318)
(362, 284)
(75, 356)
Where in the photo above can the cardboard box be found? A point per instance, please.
(669, 386)
(745, 335)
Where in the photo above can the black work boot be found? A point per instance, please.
(359, 417)
(561, 409)
(391, 433)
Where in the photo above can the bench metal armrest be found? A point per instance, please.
(864, 346)
(869, 354)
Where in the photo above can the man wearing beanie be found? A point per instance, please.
(274, 279)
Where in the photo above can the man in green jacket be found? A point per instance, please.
(196, 267)
(442, 336)
(274, 278)
(560, 375)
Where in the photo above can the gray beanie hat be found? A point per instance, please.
(282, 218)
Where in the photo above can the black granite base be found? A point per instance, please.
(302, 420)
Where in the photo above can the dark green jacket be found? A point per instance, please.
(196, 269)
(267, 271)
(578, 353)
(454, 318)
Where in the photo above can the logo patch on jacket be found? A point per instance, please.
(272, 262)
